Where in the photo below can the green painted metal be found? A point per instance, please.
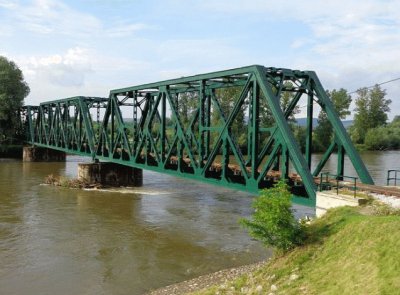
(194, 127)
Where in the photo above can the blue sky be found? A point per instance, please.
(68, 48)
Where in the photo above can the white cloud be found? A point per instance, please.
(7, 4)
(126, 29)
(47, 17)
(51, 16)
(57, 75)
(193, 55)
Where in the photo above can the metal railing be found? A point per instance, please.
(329, 181)
(389, 178)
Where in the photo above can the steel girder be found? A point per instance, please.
(144, 127)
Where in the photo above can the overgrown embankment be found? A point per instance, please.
(348, 251)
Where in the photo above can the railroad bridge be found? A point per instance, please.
(230, 128)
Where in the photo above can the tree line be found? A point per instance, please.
(370, 129)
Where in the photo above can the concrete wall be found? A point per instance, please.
(329, 199)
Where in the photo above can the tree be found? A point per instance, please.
(371, 112)
(227, 98)
(323, 132)
(187, 104)
(384, 137)
(13, 90)
(286, 97)
(273, 222)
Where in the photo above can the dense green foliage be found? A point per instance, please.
(227, 98)
(323, 132)
(273, 222)
(350, 250)
(384, 137)
(371, 112)
(13, 90)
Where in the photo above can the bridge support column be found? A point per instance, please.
(111, 174)
(39, 154)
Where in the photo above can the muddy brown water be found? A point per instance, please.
(128, 241)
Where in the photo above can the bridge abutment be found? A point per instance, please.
(111, 174)
(40, 154)
(329, 199)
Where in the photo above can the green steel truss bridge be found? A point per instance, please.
(231, 128)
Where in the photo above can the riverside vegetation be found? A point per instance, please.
(70, 182)
(350, 250)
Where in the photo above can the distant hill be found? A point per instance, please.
(303, 122)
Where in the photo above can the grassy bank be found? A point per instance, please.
(11, 151)
(349, 251)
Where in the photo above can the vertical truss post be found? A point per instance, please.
(202, 121)
(112, 109)
(207, 125)
(163, 125)
(98, 119)
(135, 123)
(255, 123)
(340, 159)
(249, 130)
(310, 106)
(285, 162)
(225, 158)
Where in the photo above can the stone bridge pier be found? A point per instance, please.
(40, 154)
(110, 174)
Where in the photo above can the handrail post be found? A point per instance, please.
(320, 183)
(355, 187)
(337, 184)
(387, 178)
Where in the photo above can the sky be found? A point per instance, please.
(70, 48)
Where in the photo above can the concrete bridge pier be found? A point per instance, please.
(111, 174)
(40, 154)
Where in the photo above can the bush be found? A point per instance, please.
(383, 138)
(273, 222)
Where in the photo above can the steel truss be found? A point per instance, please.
(144, 127)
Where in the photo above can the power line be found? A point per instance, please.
(389, 81)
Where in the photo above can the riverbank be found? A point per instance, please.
(218, 278)
(11, 151)
(351, 250)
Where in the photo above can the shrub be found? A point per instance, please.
(273, 222)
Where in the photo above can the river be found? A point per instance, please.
(64, 241)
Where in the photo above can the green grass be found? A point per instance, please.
(347, 253)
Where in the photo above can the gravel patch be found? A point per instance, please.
(207, 281)
(389, 200)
